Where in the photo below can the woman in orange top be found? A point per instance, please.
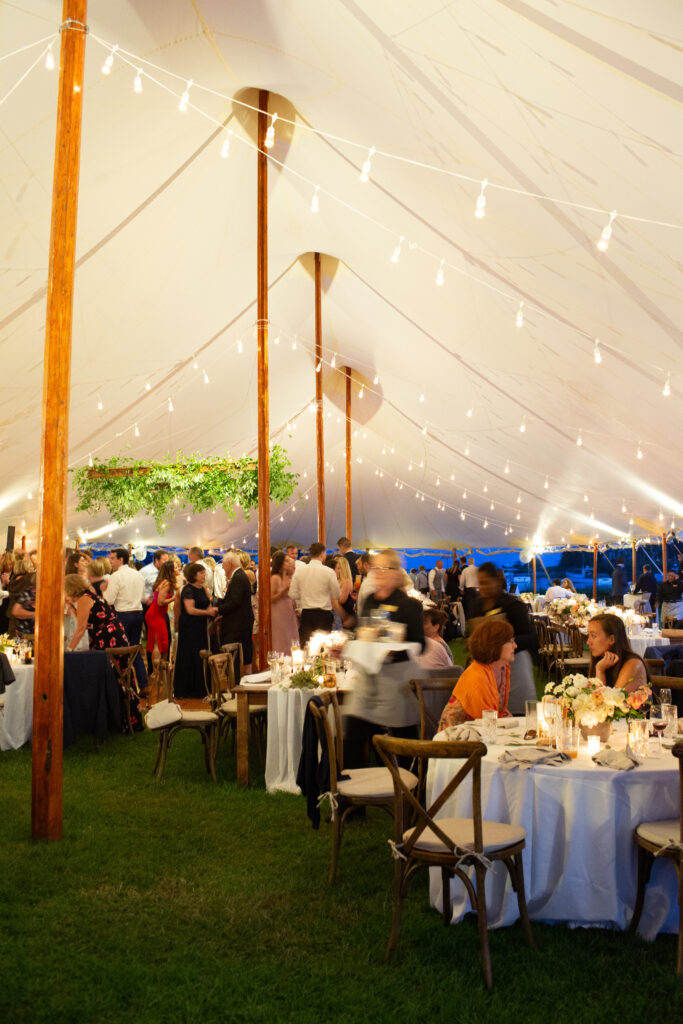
(485, 683)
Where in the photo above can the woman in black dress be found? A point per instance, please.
(195, 611)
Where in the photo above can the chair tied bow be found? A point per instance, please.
(472, 855)
(334, 803)
(672, 846)
(396, 851)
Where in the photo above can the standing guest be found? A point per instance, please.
(96, 577)
(219, 581)
(126, 592)
(237, 615)
(156, 616)
(384, 701)
(22, 595)
(494, 602)
(364, 588)
(283, 613)
(437, 653)
(647, 584)
(316, 592)
(342, 570)
(436, 581)
(619, 584)
(453, 579)
(292, 551)
(485, 683)
(6, 567)
(104, 628)
(77, 562)
(670, 597)
(469, 585)
(422, 580)
(346, 549)
(612, 660)
(195, 554)
(195, 612)
(150, 573)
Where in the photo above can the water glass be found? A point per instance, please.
(664, 696)
(568, 738)
(489, 726)
(670, 715)
(639, 736)
(530, 719)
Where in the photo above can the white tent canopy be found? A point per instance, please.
(541, 100)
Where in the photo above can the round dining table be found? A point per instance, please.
(580, 857)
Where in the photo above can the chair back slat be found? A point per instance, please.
(332, 744)
(234, 650)
(665, 683)
(218, 664)
(429, 693)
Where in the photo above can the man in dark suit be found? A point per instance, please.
(237, 616)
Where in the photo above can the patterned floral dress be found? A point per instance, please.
(105, 631)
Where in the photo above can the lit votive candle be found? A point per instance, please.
(297, 658)
(593, 743)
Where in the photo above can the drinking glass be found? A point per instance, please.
(639, 736)
(489, 725)
(657, 727)
(552, 713)
(530, 719)
(670, 715)
(568, 738)
(664, 696)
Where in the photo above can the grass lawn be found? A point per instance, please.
(189, 901)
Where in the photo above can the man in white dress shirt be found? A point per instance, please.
(197, 555)
(126, 592)
(150, 572)
(557, 591)
(469, 584)
(315, 589)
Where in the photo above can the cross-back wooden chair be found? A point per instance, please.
(662, 839)
(224, 702)
(350, 787)
(674, 683)
(654, 666)
(564, 660)
(545, 652)
(450, 844)
(432, 695)
(236, 653)
(204, 722)
(122, 659)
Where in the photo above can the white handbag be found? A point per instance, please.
(166, 712)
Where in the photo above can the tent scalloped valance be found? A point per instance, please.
(127, 488)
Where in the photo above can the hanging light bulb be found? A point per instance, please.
(185, 98)
(597, 354)
(424, 430)
(639, 453)
(480, 208)
(50, 59)
(375, 379)
(462, 516)
(519, 320)
(294, 345)
(315, 200)
(585, 497)
(422, 397)
(486, 523)
(269, 140)
(240, 347)
(507, 467)
(137, 81)
(467, 450)
(361, 392)
(90, 459)
(225, 148)
(367, 165)
(546, 484)
(148, 386)
(334, 361)
(492, 506)
(470, 413)
(519, 499)
(100, 405)
(486, 487)
(464, 495)
(579, 440)
(206, 377)
(439, 273)
(396, 254)
(603, 242)
(518, 516)
(137, 430)
(319, 366)
(666, 390)
(109, 61)
(522, 426)
(170, 405)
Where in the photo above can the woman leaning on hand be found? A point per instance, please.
(612, 660)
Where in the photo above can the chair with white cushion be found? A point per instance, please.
(450, 843)
(168, 718)
(350, 787)
(662, 839)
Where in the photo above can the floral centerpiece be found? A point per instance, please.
(570, 607)
(591, 703)
(7, 642)
(527, 597)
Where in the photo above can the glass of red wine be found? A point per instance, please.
(657, 725)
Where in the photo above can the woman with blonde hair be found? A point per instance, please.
(22, 595)
(343, 573)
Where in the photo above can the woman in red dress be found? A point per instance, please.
(156, 617)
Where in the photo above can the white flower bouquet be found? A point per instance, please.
(590, 702)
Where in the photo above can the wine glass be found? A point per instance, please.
(657, 725)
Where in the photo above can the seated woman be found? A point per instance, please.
(437, 653)
(612, 660)
(485, 683)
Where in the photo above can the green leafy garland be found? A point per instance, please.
(127, 487)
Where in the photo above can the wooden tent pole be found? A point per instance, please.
(46, 790)
(664, 568)
(319, 435)
(349, 522)
(595, 570)
(263, 394)
(533, 566)
(634, 560)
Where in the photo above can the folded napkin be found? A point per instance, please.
(256, 679)
(527, 757)
(465, 733)
(620, 760)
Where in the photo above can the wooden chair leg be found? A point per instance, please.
(447, 909)
(164, 740)
(518, 885)
(207, 742)
(645, 860)
(336, 843)
(399, 883)
(483, 924)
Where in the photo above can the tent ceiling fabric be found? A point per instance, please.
(562, 101)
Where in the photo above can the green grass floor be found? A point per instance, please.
(195, 902)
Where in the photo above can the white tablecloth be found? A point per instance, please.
(641, 602)
(286, 713)
(580, 858)
(16, 723)
(640, 643)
